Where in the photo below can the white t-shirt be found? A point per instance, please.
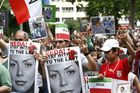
(84, 60)
(131, 78)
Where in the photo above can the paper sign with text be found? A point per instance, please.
(38, 28)
(64, 70)
(97, 85)
(103, 24)
(23, 67)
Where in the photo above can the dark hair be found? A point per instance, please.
(114, 49)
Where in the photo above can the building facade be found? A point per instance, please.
(68, 11)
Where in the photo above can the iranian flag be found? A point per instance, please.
(61, 32)
(97, 85)
(25, 9)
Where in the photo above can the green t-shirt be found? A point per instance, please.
(5, 79)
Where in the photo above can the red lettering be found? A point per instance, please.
(56, 52)
(18, 43)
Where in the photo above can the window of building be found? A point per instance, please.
(57, 9)
(57, 19)
(55, 0)
(67, 9)
(66, 19)
(126, 19)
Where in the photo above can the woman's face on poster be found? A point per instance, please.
(22, 69)
(65, 78)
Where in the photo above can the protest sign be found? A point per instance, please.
(83, 24)
(38, 28)
(97, 85)
(23, 67)
(49, 12)
(103, 24)
(121, 86)
(64, 71)
(107, 85)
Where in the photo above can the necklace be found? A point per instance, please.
(112, 70)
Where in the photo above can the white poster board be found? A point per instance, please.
(64, 71)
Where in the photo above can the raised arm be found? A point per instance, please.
(125, 40)
(91, 65)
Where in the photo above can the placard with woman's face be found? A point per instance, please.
(64, 71)
(23, 66)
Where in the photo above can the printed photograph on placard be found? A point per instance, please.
(103, 24)
(124, 88)
(83, 24)
(23, 67)
(38, 28)
(64, 71)
(49, 12)
(1, 31)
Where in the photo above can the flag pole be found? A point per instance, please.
(1, 3)
(21, 26)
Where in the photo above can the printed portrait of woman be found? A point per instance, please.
(65, 78)
(22, 70)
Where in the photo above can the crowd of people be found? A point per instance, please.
(115, 56)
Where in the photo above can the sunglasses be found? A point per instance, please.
(59, 41)
(20, 39)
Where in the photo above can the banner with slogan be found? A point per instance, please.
(64, 71)
(62, 32)
(38, 28)
(97, 85)
(23, 67)
(49, 13)
(25, 9)
(103, 24)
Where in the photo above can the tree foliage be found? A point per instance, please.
(116, 8)
(73, 25)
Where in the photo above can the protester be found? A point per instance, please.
(134, 81)
(5, 80)
(3, 52)
(21, 36)
(115, 67)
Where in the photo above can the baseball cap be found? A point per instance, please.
(109, 44)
